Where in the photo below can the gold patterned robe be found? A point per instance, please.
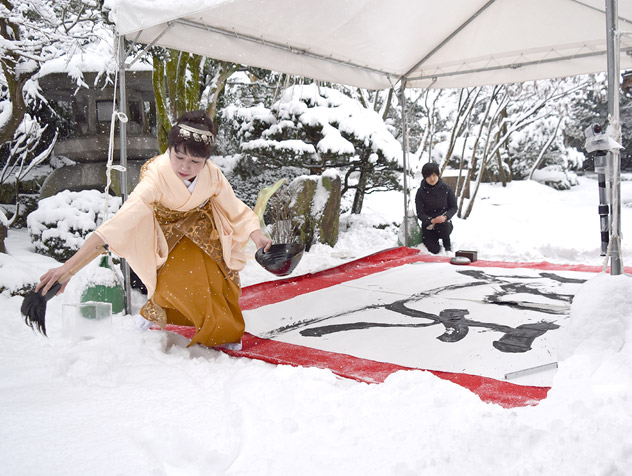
(187, 248)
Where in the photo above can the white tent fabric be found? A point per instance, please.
(375, 43)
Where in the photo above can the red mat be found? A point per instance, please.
(271, 292)
(490, 390)
(506, 394)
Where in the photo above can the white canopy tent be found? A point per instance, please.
(374, 44)
(377, 44)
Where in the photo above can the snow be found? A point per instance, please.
(292, 145)
(333, 142)
(142, 403)
(330, 106)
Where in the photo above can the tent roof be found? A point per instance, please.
(374, 43)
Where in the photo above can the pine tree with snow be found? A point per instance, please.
(318, 128)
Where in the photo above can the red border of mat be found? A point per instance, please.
(490, 390)
(271, 292)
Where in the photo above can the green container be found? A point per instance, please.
(415, 233)
(102, 293)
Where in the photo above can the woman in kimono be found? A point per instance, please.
(183, 231)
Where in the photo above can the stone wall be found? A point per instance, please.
(89, 176)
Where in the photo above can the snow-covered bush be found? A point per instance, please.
(556, 177)
(62, 222)
(16, 277)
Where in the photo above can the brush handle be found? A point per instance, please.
(53, 291)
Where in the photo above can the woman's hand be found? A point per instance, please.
(48, 279)
(261, 240)
(92, 248)
(439, 219)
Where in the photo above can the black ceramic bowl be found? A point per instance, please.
(280, 259)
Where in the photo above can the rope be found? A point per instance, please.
(109, 165)
(121, 116)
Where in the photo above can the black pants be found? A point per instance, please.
(441, 231)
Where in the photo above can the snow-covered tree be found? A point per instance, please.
(502, 133)
(318, 128)
(589, 105)
(186, 82)
(34, 33)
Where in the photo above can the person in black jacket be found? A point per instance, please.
(436, 205)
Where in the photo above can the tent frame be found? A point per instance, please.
(123, 159)
(613, 51)
(612, 27)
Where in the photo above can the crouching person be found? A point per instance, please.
(436, 205)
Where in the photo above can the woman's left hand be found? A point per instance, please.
(261, 240)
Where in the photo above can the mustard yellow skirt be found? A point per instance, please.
(194, 291)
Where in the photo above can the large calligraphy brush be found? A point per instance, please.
(34, 305)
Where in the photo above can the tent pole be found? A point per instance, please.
(405, 157)
(123, 161)
(604, 210)
(613, 119)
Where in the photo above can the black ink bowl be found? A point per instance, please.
(280, 259)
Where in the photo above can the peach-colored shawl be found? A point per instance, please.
(134, 234)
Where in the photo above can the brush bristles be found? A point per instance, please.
(34, 308)
(34, 312)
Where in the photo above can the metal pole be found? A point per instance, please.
(123, 162)
(405, 159)
(612, 38)
(604, 209)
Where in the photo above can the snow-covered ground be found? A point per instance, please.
(143, 404)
